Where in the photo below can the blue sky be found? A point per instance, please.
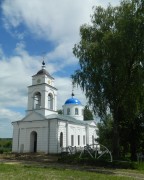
(29, 31)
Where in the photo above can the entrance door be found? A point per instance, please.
(33, 141)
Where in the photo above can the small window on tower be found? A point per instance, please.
(76, 111)
(50, 101)
(68, 111)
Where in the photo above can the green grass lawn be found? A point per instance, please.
(33, 172)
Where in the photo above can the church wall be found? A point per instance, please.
(24, 130)
(72, 107)
(53, 137)
(92, 134)
(43, 140)
(15, 142)
(76, 130)
(22, 140)
(48, 135)
(62, 126)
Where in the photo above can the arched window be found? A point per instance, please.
(68, 111)
(50, 101)
(76, 111)
(61, 139)
(37, 100)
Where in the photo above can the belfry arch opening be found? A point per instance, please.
(33, 141)
(50, 101)
(37, 100)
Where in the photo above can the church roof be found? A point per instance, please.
(66, 118)
(73, 101)
(43, 71)
(37, 116)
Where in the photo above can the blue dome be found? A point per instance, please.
(73, 101)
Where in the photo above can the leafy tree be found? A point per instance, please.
(105, 131)
(88, 113)
(111, 58)
(60, 111)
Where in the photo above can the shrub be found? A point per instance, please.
(1, 151)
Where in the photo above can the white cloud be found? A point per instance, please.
(57, 21)
(9, 115)
(51, 19)
(14, 77)
(6, 117)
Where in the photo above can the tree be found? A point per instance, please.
(111, 58)
(105, 131)
(60, 111)
(87, 114)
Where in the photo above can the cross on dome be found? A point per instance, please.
(43, 65)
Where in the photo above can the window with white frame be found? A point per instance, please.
(50, 101)
(61, 139)
(72, 140)
(93, 140)
(83, 139)
(76, 111)
(68, 111)
(78, 140)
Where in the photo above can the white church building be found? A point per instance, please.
(43, 129)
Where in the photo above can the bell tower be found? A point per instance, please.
(42, 95)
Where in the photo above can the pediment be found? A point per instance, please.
(33, 116)
(91, 122)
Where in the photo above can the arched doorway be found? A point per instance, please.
(33, 141)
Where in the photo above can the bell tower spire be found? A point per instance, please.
(42, 94)
(43, 65)
(73, 86)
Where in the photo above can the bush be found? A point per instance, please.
(85, 160)
(1, 151)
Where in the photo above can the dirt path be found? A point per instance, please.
(52, 162)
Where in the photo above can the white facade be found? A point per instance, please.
(42, 129)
